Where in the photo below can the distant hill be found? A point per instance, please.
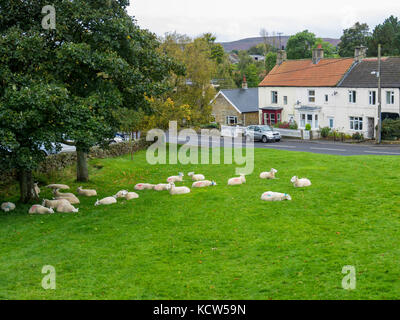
(246, 44)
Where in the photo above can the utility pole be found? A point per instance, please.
(379, 133)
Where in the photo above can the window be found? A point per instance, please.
(326, 98)
(311, 96)
(303, 121)
(272, 118)
(274, 96)
(389, 97)
(231, 120)
(352, 96)
(285, 100)
(309, 119)
(356, 123)
(316, 122)
(279, 117)
(331, 123)
(266, 118)
(372, 97)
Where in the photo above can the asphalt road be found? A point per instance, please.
(342, 149)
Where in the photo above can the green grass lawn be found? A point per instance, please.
(215, 243)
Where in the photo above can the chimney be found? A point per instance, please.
(317, 54)
(244, 83)
(281, 56)
(360, 53)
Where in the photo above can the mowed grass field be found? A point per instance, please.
(221, 242)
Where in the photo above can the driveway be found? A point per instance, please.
(321, 147)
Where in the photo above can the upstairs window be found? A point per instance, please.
(326, 98)
(311, 96)
(285, 100)
(372, 97)
(352, 96)
(274, 97)
(389, 97)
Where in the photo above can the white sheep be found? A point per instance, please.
(177, 190)
(52, 204)
(66, 208)
(71, 200)
(300, 183)
(144, 186)
(237, 180)
(196, 177)
(275, 196)
(269, 175)
(203, 184)
(40, 209)
(58, 186)
(121, 194)
(69, 196)
(35, 190)
(131, 195)
(106, 201)
(86, 192)
(8, 206)
(178, 178)
(57, 193)
(161, 187)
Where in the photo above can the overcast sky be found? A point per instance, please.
(236, 19)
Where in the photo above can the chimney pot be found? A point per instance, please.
(360, 53)
(281, 56)
(317, 54)
(244, 83)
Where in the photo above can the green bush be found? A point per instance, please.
(308, 127)
(358, 136)
(325, 132)
(210, 126)
(390, 129)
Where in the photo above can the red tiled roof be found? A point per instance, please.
(303, 73)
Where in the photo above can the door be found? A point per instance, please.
(371, 128)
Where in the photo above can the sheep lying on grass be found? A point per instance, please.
(177, 190)
(144, 186)
(178, 178)
(8, 206)
(106, 201)
(131, 195)
(196, 177)
(69, 196)
(66, 208)
(58, 186)
(86, 192)
(268, 175)
(52, 204)
(275, 196)
(203, 184)
(237, 180)
(161, 187)
(300, 183)
(40, 209)
(121, 194)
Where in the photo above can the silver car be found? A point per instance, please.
(262, 133)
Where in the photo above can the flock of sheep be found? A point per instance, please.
(64, 202)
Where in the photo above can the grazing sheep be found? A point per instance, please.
(144, 186)
(161, 187)
(121, 194)
(66, 208)
(40, 209)
(131, 195)
(106, 201)
(196, 177)
(203, 184)
(52, 204)
(275, 196)
(300, 183)
(8, 206)
(178, 178)
(86, 192)
(58, 186)
(237, 180)
(177, 190)
(268, 175)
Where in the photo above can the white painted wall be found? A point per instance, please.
(338, 106)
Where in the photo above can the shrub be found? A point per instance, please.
(293, 125)
(390, 129)
(357, 136)
(210, 126)
(325, 132)
(308, 127)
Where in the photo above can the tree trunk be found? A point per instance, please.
(82, 174)
(26, 186)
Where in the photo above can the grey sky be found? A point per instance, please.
(237, 19)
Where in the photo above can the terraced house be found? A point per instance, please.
(340, 93)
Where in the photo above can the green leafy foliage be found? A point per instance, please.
(299, 46)
(357, 35)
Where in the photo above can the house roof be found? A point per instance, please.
(303, 73)
(244, 100)
(360, 75)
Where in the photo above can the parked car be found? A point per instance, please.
(262, 133)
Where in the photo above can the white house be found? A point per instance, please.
(337, 93)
